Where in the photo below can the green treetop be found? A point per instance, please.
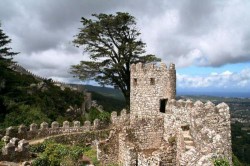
(112, 43)
(5, 52)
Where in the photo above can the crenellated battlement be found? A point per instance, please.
(15, 149)
(150, 84)
(198, 104)
(43, 130)
(120, 120)
(150, 67)
(200, 130)
(159, 130)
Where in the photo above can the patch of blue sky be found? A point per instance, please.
(198, 70)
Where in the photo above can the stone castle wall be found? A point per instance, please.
(193, 133)
(15, 150)
(149, 85)
(171, 132)
(206, 126)
(159, 130)
(34, 131)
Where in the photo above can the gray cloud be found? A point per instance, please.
(196, 17)
(191, 32)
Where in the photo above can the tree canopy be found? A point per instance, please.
(113, 44)
(5, 52)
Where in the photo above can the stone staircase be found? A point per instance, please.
(187, 148)
(188, 140)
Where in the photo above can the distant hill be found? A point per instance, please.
(111, 99)
(106, 91)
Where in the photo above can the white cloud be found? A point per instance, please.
(52, 63)
(225, 79)
(226, 73)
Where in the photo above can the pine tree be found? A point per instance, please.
(5, 52)
(113, 43)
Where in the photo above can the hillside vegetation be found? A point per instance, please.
(24, 100)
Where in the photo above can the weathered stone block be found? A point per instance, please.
(8, 149)
(22, 131)
(66, 124)
(114, 117)
(6, 139)
(96, 123)
(55, 125)
(77, 124)
(14, 141)
(44, 126)
(33, 127)
(87, 125)
(23, 145)
(11, 132)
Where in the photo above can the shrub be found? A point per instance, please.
(171, 140)
(91, 153)
(41, 161)
(104, 117)
(37, 148)
(236, 161)
(221, 162)
(1, 144)
(55, 154)
(26, 115)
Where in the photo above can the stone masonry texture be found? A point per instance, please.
(160, 131)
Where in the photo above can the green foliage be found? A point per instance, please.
(91, 153)
(1, 144)
(5, 51)
(55, 154)
(96, 114)
(108, 102)
(93, 114)
(23, 101)
(26, 115)
(172, 140)
(41, 161)
(68, 161)
(221, 162)
(38, 148)
(240, 143)
(112, 42)
(104, 117)
(236, 161)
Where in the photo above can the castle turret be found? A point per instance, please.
(151, 88)
(171, 87)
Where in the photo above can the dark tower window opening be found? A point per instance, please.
(163, 103)
(185, 127)
(152, 81)
(135, 81)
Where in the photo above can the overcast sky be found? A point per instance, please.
(209, 41)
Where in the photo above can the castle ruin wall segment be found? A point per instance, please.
(152, 102)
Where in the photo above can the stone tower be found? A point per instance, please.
(151, 88)
(162, 131)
